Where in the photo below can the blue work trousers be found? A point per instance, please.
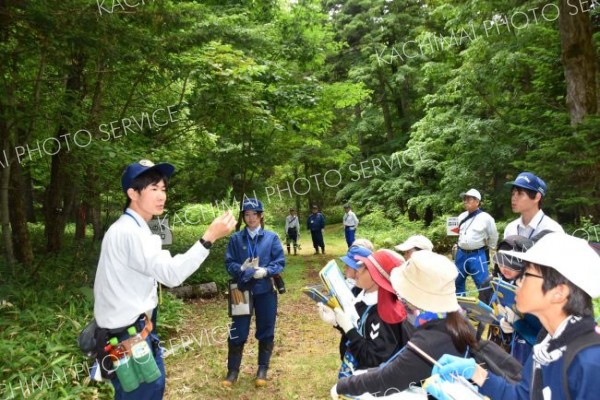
(265, 310)
(471, 263)
(317, 239)
(349, 232)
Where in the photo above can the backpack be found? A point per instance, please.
(496, 360)
(580, 343)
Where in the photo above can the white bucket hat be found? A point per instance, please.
(572, 257)
(427, 282)
(418, 241)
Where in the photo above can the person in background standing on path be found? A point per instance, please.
(132, 262)
(254, 246)
(477, 230)
(526, 196)
(316, 224)
(350, 224)
(292, 230)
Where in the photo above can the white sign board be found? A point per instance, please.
(161, 228)
(452, 226)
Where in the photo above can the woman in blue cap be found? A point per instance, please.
(254, 255)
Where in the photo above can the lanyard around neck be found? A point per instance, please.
(136, 221)
(252, 250)
(533, 231)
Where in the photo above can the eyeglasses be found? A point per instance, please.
(524, 274)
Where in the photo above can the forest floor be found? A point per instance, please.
(305, 358)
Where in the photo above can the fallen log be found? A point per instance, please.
(194, 291)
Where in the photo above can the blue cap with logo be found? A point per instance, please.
(355, 251)
(252, 204)
(527, 180)
(135, 169)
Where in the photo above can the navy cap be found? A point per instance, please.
(252, 204)
(137, 168)
(354, 251)
(527, 180)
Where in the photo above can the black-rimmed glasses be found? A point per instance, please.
(525, 274)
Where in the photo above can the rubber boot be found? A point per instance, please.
(264, 356)
(288, 249)
(295, 250)
(234, 360)
(323, 249)
(316, 250)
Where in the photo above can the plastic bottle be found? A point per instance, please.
(124, 367)
(143, 357)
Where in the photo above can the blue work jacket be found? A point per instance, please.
(266, 245)
(315, 222)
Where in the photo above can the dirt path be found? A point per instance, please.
(305, 359)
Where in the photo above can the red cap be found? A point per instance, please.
(380, 265)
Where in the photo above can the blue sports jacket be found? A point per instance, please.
(583, 376)
(266, 246)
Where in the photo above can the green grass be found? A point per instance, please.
(43, 308)
(305, 360)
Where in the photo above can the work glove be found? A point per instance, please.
(507, 321)
(326, 314)
(260, 273)
(246, 265)
(333, 392)
(343, 320)
(247, 275)
(451, 366)
(433, 385)
(510, 315)
(506, 326)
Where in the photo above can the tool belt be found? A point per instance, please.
(143, 326)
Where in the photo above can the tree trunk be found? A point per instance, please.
(23, 249)
(58, 199)
(4, 215)
(385, 108)
(578, 57)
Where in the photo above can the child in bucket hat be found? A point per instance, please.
(557, 285)
(378, 334)
(425, 285)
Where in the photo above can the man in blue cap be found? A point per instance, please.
(131, 264)
(527, 193)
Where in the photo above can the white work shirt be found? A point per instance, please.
(477, 232)
(292, 222)
(350, 219)
(131, 262)
(538, 223)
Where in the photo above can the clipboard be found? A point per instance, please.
(334, 281)
(505, 293)
(239, 301)
(478, 310)
(315, 294)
